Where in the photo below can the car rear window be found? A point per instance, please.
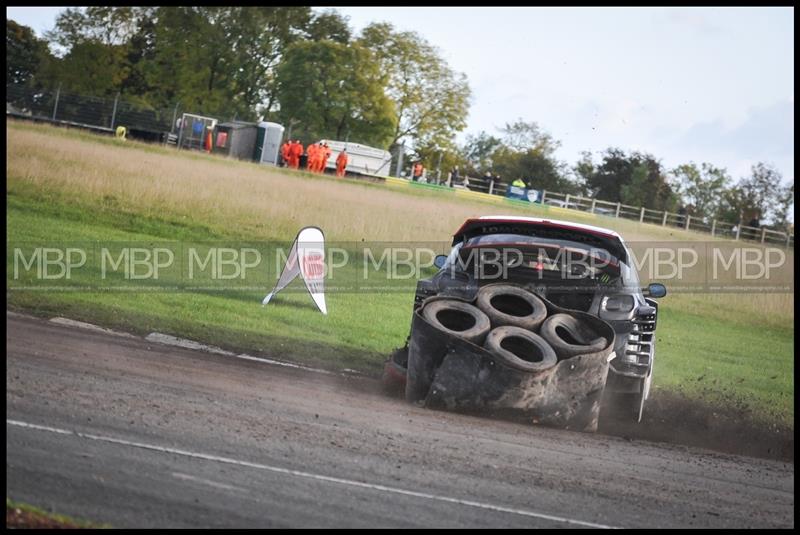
(551, 258)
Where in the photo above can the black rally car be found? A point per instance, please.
(574, 266)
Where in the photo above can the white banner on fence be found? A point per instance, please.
(307, 259)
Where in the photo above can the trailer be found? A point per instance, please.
(361, 159)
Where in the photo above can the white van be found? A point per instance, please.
(361, 159)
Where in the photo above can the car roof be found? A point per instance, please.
(534, 221)
(567, 230)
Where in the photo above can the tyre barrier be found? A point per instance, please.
(520, 349)
(511, 305)
(569, 336)
(459, 319)
(457, 361)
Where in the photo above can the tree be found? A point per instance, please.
(213, 60)
(258, 38)
(528, 152)
(759, 196)
(634, 193)
(761, 189)
(521, 136)
(583, 170)
(90, 68)
(192, 62)
(534, 165)
(437, 157)
(732, 206)
(102, 47)
(783, 207)
(331, 89)
(24, 53)
(329, 25)
(478, 151)
(619, 170)
(99, 24)
(431, 101)
(701, 187)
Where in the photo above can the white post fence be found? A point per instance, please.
(55, 106)
(114, 113)
(642, 214)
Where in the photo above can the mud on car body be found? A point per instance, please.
(572, 266)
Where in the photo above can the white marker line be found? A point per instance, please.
(191, 344)
(309, 475)
(245, 356)
(183, 342)
(83, 325)
(208, 482)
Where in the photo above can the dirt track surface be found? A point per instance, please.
(138, 434)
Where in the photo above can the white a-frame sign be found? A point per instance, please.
(307, 259)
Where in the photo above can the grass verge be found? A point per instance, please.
(23, 516)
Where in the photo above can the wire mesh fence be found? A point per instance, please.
(96, 113)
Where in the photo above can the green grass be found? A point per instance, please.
(50, 520)
(726, 362)
(358, 332)
(718, 348)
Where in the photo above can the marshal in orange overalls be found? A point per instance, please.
(341, 163)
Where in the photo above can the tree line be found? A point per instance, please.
(381, 87)
(524, 150)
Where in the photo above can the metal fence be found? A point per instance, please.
(94, 113)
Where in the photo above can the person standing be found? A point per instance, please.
(341, 163)
(297, 151)
(326, 155)
(417, 172)
(208, 143)
(319, 156)
(290, 154)
(285, 153)
(311, 157)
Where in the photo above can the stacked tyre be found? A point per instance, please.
(513, 324)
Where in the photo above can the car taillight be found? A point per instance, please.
(618, 303)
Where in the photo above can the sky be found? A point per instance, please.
(684, 84)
